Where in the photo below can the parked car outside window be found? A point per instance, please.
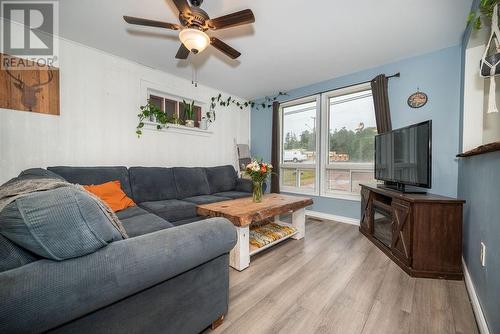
(293, 155)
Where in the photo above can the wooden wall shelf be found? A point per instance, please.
(487, 148)
(422, 233)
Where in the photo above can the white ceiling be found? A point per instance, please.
(291, 44)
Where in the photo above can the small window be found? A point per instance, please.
(171, 107)
(174, 108)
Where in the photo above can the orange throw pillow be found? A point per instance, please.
(112, 194)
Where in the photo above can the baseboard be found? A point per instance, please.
(327, 216)
(476, 306)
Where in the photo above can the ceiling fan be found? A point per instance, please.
(194, 22)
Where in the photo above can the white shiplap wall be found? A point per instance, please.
(100, 95)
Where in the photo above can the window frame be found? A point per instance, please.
(299, 166)
(199, 106)
(325, 145)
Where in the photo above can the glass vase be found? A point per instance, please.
(257, 191)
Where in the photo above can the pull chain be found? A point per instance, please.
(194, 77)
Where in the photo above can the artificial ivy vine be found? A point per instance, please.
(221, 101)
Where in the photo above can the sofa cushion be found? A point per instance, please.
(233, 194)
(131, 212)
(144, 224)
(138, 221)
(13, 256)
(246, 185)
(205, 199)
(191, 181)
(188, 221)
(57, 224)
(171, 209)
(221, 178)
(95, 175)
(152, 184)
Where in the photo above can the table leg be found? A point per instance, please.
(239, 257)
(299, 222)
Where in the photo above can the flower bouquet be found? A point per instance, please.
(258, 172)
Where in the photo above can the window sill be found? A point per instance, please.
(298, 192)
(152, 126)
(347, 197)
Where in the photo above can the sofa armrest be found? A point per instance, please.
(45, 294)
(246, 185)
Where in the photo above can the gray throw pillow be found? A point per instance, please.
(57, 224)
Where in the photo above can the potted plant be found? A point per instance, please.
(486, 8)
(258, 172)
(152, 112)
(489, 9)
(188, 113)
(204, 123)
(175, 120)
(490, 62)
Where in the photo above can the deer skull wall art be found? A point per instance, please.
(29, 93)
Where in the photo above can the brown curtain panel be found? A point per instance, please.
(381, 102)
(275, 149)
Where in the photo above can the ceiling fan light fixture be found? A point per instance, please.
(194, 40)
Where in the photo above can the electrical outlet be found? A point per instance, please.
(483, 254)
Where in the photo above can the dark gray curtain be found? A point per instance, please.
(275, 149)
(381, 101)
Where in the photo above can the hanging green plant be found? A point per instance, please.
(152, 112)
(221, 101)
(486, 9)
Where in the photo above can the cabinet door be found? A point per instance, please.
(365, 224)
(401, 231)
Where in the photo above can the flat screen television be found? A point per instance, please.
(404, 156)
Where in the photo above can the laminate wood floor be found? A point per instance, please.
(336, 281)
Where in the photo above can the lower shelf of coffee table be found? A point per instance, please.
(254, 250)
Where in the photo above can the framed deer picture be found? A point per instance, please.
(29, 87)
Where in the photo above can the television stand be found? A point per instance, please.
(402, 188)
(422, 233)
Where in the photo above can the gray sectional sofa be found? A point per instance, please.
(170, 276)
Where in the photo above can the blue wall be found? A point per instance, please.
(438, 74)
(479, 185)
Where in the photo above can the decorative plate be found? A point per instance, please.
(417, 100)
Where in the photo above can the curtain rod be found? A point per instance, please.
(395, 75)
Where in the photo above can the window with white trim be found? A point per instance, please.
(349, 140)
(299, 146)
(327, 143)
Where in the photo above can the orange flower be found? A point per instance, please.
(263, 169)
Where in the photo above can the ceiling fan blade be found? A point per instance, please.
(150, 23)
(224, 48)
(182, 53)
(182, 6)
(231, 20)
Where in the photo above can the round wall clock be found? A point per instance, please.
(417, 99)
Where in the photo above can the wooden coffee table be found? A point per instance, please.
(243, 212)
